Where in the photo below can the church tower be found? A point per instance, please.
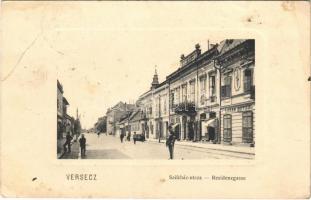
(155, 81)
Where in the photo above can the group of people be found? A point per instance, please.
(67, 144)
(170, 140)
(128, 137)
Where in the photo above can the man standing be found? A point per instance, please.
(170, 141)
(82, 142)
(121, 137)
(68, 142)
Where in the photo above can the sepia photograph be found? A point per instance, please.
(203, 109)
(155, 99)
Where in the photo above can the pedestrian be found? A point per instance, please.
(68, 143)
(170, 141)
(82, 142)
(129, 137)
(134, 137)
(98, 133)
(121, 137)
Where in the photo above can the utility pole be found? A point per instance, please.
(219, 128)
(160, 121)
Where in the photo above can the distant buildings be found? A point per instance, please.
(65, 123)
(101, 124)
(210, 97)
(115, 114)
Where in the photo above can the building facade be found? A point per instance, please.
(210, 97)
(236, 60)
(114, 116)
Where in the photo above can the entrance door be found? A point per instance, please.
(184, 124)
(166, 129)
(143, 130)
(160, 129)
(211, 133)
(147, 131)
(177, 132)
(191, 130)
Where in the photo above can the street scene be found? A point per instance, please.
(205, 109)
(110, 147)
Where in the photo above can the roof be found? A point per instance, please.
(135, 116)
(69, 117)
(65, 101)
(60, 87)
(227, 45)
(206, 55)
(122, 107)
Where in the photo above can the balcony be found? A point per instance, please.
(185, 108)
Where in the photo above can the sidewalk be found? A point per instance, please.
(60, 150)
(74, 154)
(211, 146)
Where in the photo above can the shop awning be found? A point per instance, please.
(210, 122)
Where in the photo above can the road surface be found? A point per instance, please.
(110, 147)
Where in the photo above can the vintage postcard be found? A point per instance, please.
(155, 99)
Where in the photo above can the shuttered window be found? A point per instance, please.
(247, 124)
(248, 80)
(226, 88)
(227, 128)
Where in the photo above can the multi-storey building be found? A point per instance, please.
(191, 97)
(114, 115)
(236, 60)
(64, 121)
(59, 109)
(209, 97)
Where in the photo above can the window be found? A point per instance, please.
(192, 91)
(172, 100)
(164, 104)
(157, 107)
(202, 89)
(184, 93)
(227, 128)
(150, 110)
(177, 95)
(212, 87)
(226, 88)
(248, 80)
(159, 104)
(247, 124)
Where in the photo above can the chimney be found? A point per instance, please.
(207, 44)
(198, 49)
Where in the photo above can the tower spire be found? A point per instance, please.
(155, 81)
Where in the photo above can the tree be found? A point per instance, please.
(77, 127)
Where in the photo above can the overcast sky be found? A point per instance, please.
(106, 53)
(106, 67)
